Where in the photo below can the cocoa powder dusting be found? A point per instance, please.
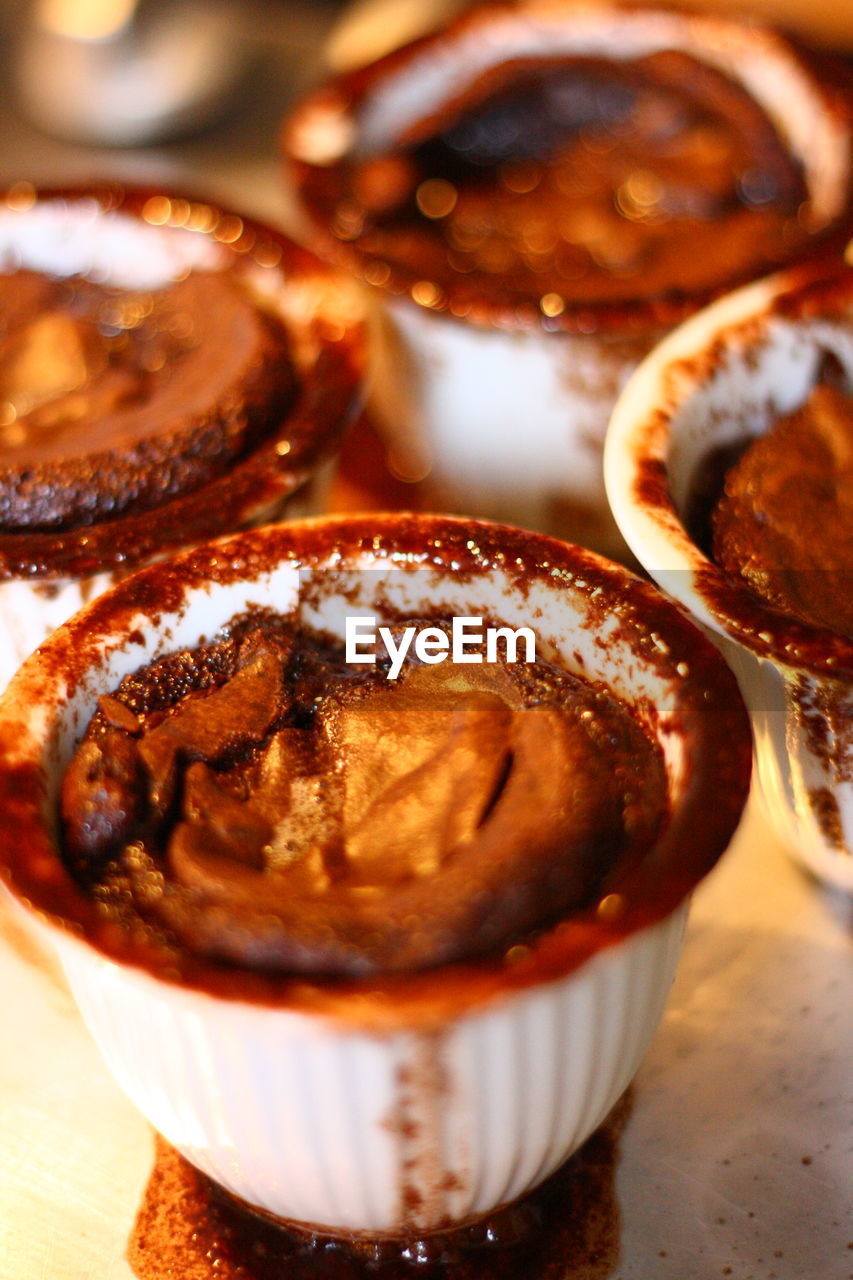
(567, 1229)
(825, 808)
(420, 1090)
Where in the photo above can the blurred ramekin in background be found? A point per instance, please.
(391, 1104)
(719, 381)
(499, 406)
(142, 240)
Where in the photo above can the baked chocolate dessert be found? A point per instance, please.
(169, 371)
(258, 801)
(784, 520)
(576, 180)
(115, 401)
(359, 898)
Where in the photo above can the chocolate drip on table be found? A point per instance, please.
(567, 1229)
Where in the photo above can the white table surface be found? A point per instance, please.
(736, 1160)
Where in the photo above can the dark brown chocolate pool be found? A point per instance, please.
(115, 401)
(567, 1227)
(262, 802)
(784, 520)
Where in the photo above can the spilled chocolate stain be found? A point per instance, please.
(567, 1229)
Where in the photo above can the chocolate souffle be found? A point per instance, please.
(359, 894)
(729, 470)
(259, 801)
(534, 195)
(156, 383)
(168, 371)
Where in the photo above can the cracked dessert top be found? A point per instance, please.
(256, 800)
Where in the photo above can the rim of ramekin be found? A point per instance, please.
(329, 395)
(636, 479)
(714, 724)
(348, 90)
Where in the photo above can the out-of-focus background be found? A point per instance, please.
(190, 93)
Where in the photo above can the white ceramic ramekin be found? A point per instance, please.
(502, 413)
(144, 240)
(392, 1104)
(724, 377)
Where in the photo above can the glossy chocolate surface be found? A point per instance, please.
(262, 802)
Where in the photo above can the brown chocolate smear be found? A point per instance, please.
(567, 1229)
(784, 521)
(301, 816)
(113, 401)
